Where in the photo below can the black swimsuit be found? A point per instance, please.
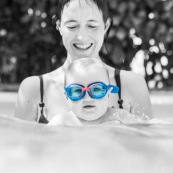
(43, 119)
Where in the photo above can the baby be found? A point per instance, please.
(87, 89)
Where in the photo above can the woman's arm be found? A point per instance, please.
(140, 103)
(28, 99)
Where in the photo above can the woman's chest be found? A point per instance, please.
(123, 94)
(113, 102)
(55, 101)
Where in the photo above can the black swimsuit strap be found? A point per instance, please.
(42, 118)
(118, 82)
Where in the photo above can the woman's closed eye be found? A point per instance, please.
(93, 26)
(72, 27)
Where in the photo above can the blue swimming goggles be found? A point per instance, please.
(96, 90)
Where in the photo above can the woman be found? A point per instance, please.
(83, 25)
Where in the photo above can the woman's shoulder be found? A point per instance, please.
(54, 76)
(132, 80)
(131, 76)
(125, 75)
(30, 85)
(32, 80)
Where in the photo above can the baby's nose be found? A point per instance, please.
(87, 97)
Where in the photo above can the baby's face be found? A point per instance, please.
(88, 108)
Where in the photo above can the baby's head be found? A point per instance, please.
(87, 84)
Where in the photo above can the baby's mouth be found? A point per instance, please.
(82, 46)
(89, 106)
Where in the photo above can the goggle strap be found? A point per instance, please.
(115, 88)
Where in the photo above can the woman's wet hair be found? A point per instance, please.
(102, 6)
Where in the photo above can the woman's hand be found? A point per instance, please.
(67, 119)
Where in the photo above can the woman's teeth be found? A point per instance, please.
(83, 46)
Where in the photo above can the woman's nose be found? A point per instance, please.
(81, 35)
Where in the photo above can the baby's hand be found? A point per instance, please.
(67, 119)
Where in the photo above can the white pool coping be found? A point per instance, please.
(161, 97)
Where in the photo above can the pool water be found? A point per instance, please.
(138, 148)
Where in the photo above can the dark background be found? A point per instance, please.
(31, 45)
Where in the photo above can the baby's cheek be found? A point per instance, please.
(77, 108)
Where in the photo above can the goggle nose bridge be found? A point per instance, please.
(85, 89)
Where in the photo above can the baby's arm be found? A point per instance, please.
(67, 119)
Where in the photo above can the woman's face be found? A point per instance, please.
(82, 29)
(88, 108)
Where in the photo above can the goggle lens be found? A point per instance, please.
(98, 90)
(75, 92)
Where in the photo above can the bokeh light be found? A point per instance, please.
(43, 15)
(164, 61)
(151, 15)
(3, 32)
(154, 49)
(152, 42)
(158, 67)
(38, 13)
(160, 85)
(30, 11)
(43, 24)
(152, 84)
(165, 74)
(149, 68)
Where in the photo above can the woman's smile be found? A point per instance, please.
(83, 46)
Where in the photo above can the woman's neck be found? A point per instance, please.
(70, 59)
(67, 62)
